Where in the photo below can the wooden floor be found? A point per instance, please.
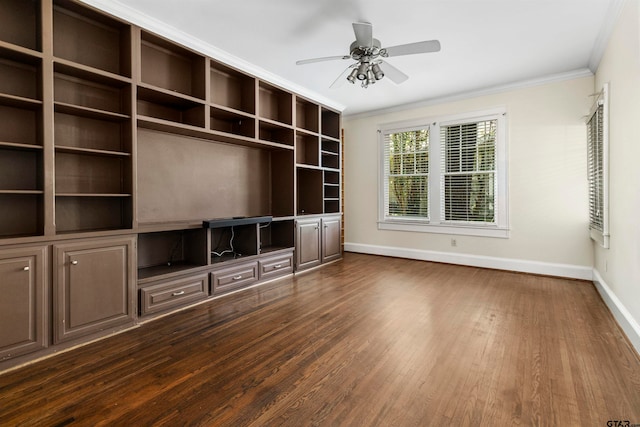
(363, 342)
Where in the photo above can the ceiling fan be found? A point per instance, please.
(367, 52)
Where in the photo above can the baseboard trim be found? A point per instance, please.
(626, 321)
(523, 266)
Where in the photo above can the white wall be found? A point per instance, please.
(618, 268)
(547, 184)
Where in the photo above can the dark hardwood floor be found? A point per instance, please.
(366, 341)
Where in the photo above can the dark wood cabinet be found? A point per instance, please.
(93, 287)
(23, 286)
(308, 243)
(331, 247)
(318, 241)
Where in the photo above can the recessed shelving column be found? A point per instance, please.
(92, 121)
(21, 108)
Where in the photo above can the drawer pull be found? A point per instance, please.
(26, 268)
(74, 262)
(175, 294)
(277, 266)
(238, 277)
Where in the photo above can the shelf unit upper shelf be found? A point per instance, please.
(232, 89)
(20, 23)
(166, 65)
(86, 37)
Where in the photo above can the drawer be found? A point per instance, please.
(235, 277)
(275, 266)
(173, 293)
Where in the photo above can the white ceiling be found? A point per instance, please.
(485, 43)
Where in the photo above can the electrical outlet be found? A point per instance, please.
(454, 243)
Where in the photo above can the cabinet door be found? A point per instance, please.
(331, 239)
(93, 287)
(307, 243)
(23, 299)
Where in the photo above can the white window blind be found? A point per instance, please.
(406, 163)
(597, 156)
(469, 178)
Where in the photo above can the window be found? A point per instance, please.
(597, 156)
(407, 168)
(446, 175)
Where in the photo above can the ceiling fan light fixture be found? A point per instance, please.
(353, 76)
(362, 71)
(371, 79)
(377, 72)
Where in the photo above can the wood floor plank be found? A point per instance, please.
(368, 341)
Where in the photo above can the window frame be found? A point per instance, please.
(436, 222)
(597, 235)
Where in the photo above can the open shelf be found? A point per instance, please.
(331, 191)
(307, 115)
(20, 75)
(24, 218)
(233, 123)
(173, 108)
(307, 150)
(309, 191)
(86, 213)
(20, 125)
(330, 123)
(101, 94)
(330, 160)
(332, 177)
(171, 67)
(79, 132)
(81, 172)
(233, 242)
(331, 146)
(332, 206)
(275, 104)
(232, 89)
(20, 23)
(87, 37)
(274, 132)
(20, 169)
(277, 235)
(167, 252)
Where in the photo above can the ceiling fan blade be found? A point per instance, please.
(412, 48)
(325, 58)
(341, 78)
(393, 73)
(364, 34)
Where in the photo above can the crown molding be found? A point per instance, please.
(539, 81)
(133, 16)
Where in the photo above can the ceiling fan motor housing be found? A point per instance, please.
(360, 52)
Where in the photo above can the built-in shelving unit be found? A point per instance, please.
(116, 143)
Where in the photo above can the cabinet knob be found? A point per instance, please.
(237, 277)
(326, 226)
(175, 294)
(74, 262)
(315, 228)
(277, 266)
(27, 268)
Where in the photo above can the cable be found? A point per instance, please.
(230, 244)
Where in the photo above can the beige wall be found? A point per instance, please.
(547, 177)
(619, 266)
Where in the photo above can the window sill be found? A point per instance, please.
(497, 232)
